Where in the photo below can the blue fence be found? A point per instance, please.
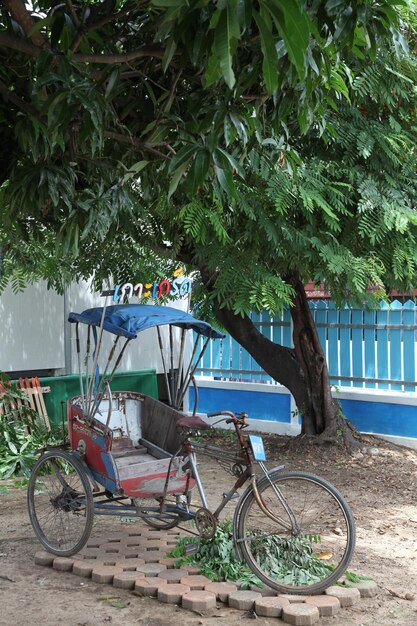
(364, 348)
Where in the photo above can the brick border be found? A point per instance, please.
(135, 558)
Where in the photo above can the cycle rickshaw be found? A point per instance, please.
(131, 454)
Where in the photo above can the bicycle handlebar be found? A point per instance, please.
(240, 418)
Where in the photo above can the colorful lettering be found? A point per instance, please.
(177, 286)
(164, 284)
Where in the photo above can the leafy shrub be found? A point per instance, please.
(21, 433)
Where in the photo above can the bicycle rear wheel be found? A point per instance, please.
(60, 503)
(308, 545)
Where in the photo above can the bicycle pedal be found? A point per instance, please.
(190, 548)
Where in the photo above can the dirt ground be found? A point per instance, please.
(380, 486)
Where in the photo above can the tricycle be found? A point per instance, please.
(130, 454)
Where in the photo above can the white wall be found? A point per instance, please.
(31, 329)
(35, 334)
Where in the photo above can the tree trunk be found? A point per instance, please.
(302, 369)
(320, 413)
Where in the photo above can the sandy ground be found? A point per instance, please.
(381, 488)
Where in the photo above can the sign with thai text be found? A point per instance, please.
(178, 286)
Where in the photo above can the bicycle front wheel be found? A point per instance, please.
(302, 537)
(60, 503)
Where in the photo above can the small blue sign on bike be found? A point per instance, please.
(257, 446)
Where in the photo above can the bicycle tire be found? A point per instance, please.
(299, 560)
(60, 503)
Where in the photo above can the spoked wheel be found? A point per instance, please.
(309, 544)
(60, 503)
(165, 520)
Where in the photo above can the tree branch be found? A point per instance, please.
(14, 43)
(20, 45)
(137, 143)
(108, 59)
(10, 96)
(73, 13)
(21, 15)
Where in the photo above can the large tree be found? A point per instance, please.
(231, 136)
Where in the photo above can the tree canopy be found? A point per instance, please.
(100, 100)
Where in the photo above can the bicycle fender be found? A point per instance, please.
(277, 468)
(239, 505)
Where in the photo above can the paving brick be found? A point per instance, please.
(158, 544)
(151, 556)
(172, 594)
(270, 606)
(367, 588)
(347, 596)
(169, 562)
(42, 557)
(89, 553)
(199, 600)
(327, 605)
(84, 568)
(151, 569)
(243, 600)
(136, 533)
(105, 573)
(126, 564)
(191, 569)
(264, 591)
(173, 575)
(94, 543)
(300, 614)
(292, 598)
(116, 537)
(171, 541)
(149, 586)
(111, 548)
(129, 553)
(222, 590)
(195, 581)
(145, 531)
(63, 564)
(137, 540)
(125, 580)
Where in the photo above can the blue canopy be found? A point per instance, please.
(128, 320)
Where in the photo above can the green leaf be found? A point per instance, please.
(184, 154)
(13, 447)
(177, 177)
(39, 24)
(295, 31)
(134, 170)
(170, 48)
(244, 13)
(236, 166)
(223, 45)
(111, 82)
(270, 57)
(345, 27)
(225, 178)
(199, 168)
